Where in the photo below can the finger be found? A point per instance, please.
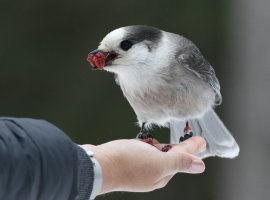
(192, 145)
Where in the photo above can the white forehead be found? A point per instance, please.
(112, 40)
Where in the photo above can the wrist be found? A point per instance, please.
(108, 165)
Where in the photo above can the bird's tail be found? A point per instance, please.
(220, 141)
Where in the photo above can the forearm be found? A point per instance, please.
(38, 161)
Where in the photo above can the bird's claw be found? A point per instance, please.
(186, 136)
(188, 133)
(144, 135)
(166, 148)
(148, 138)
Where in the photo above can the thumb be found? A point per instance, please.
(184, 162)
(189, 164)
(181, 157)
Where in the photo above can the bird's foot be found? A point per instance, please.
(188, 133)
(186, 136)
(148, 138)
(145, 137)
(166, 148)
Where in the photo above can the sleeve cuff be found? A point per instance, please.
(97, 177)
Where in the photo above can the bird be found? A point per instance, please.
(168, 82)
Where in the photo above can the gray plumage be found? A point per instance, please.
(167, 81)
(220, 141)
(190, 57)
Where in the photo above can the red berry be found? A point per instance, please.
(100, 60)
(91, 59)
(96, 60)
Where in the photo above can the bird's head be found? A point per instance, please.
(127, 48)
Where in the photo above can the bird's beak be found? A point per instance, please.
(99, 59)
(95, 52)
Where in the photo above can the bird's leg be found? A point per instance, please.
(142, 128)
(187, 128)
(145, 136)
(187, 133)
(148, 138)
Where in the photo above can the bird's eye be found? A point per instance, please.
(126, 45)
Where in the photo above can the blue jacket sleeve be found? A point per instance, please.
(38, 161)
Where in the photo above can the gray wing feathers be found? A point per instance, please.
(191, 58)
(220, 142)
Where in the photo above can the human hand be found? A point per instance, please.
(135, 166)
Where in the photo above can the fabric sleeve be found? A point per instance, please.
(98, 174)
(39, 161)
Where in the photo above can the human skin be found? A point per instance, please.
(135, 166)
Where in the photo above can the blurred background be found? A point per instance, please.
(44, 74)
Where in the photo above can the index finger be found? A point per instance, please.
(192, 145)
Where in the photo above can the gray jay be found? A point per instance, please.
(168, 82)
